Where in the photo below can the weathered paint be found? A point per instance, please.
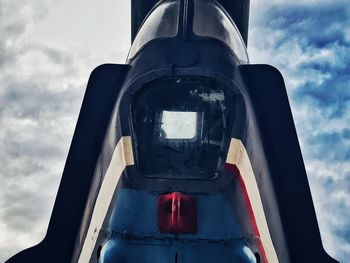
(238, 156)
(122, 157)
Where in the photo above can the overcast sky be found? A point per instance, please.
(48, 49)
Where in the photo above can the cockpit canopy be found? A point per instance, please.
(209, 21)
(161, 23)
(181, 127)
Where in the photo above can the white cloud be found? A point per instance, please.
(47, 51)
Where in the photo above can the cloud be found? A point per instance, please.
(309, 43)
(330, 185)
(42, 83)
(15, 18)
(41, 90)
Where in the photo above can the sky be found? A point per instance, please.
(48, 49)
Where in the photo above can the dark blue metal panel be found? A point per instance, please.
(135, 214)
(135, 237)
(121, 250)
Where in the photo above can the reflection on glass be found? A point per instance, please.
(162, 22)
(210, 21)
(178, 125)
(181, 128)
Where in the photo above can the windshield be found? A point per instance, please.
(211, 21)
(162, 22)
(181, 126)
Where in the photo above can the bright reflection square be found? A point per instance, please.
(179, 125)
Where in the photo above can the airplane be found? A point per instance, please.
(185, 153)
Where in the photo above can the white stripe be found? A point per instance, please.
(122, 156)
(238, 156)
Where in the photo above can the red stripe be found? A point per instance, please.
(233, 168)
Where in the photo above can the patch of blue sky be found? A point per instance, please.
(310, 43)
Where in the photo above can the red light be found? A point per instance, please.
(177, 213)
